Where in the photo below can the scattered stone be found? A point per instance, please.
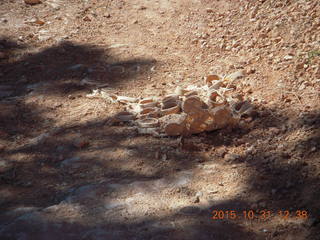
(39, 22)
(196, 199)
(124, 117)
(213, 191)
(3, 20)
(230, 157)
(87, 19)
(55, 4)
(288, 57)
(39, 139)
(190, 111)
(236, 75)
(72, 162)
(251, 70)
(211, 78)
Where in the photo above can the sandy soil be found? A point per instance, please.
(66, 174)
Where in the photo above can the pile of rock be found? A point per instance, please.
(188, 111)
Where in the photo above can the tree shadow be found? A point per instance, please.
(67, 68)
(280, 175)
(278, 179)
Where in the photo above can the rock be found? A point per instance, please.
(124, 116)
(193, 105)
(32, 2)
(288, 57)
(172, 110)
(236, 75)
(39, 22)
(230, 157)
(174, 124)
(317, 73)
(72, 162)
(251, 70)
(39, 139)
(222, 117)
(196, 199)
(148, 123)
(55, 4)
(211, 78)
(87, 19)
(200, 123)
(76, 66)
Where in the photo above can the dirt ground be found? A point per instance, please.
(67, 174)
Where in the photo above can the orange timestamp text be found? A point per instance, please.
(257, 214)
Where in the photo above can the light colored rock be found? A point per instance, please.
(234, 76)
(193, 105)
(212, 77)
(72, 162)
(223, 117)
(174, 124)
(171, 110)
(288, 57)
(148, 123)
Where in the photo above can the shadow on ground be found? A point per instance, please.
(280, 162)
(66, 68)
